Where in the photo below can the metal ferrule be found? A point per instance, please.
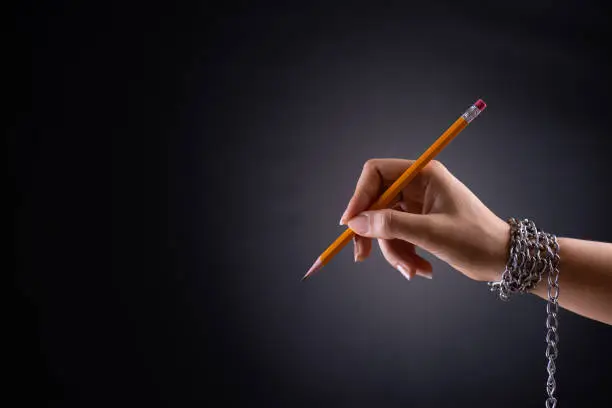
(471, 114)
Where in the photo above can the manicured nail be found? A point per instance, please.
(426, 275)
(357, 250)
(343, 218)
(360, 224)
(404, 271)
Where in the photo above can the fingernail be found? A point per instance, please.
(404, 271)
(342, 219)
(360, 224)
(426, 275)
(358, 250)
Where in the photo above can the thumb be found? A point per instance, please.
(390, 224)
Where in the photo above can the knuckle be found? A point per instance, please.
(386, 222)
(436, 168)
(436, 164)
(369, 164)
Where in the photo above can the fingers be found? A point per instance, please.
(380, 173)
(362, 247)
(400, 254)
(375, 175)
(404, 266)
(403, 257)
(390, 224)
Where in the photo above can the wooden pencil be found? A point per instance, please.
(393, 191)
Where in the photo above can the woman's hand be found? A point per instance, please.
(435, 212)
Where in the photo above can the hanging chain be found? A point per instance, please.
(533, 254)
(552, 323)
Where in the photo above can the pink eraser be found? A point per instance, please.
(480, 105)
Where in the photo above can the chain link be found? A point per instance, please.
(534, 254)
(552, 323)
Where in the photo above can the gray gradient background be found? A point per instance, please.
(232, 144)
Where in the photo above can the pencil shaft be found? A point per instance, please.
(337, 246)
(399, 184)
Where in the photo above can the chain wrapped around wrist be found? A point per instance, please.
(534, 254)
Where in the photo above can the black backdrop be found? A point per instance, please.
(178, 168)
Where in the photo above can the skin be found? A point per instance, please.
(438, 213)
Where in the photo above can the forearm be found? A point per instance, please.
(585, 279)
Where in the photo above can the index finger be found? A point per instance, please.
(376, 174)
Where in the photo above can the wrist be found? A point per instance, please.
(499, 249)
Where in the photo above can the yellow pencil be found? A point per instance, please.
(387, 197)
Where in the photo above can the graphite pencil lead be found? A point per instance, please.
(315, 267)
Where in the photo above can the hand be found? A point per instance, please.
(435, 212)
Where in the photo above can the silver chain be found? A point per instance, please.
(534, 253)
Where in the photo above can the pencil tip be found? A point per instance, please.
(315, 267)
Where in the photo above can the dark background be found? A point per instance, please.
(178, 168)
